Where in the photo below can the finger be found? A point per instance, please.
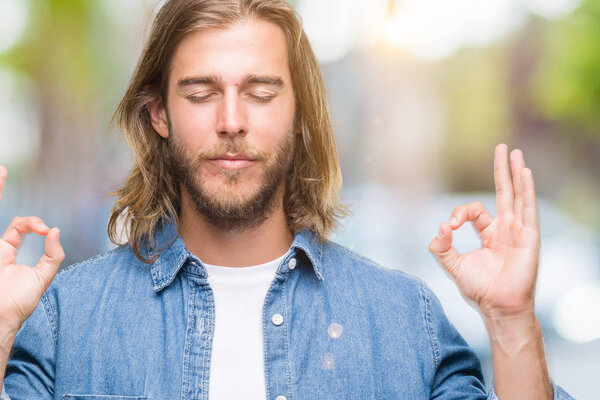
(504, 186)
(54, 255)
(20, 226)
(442, 249)
(474, 212)
(530, 210)
(3, 174)
(517, 163)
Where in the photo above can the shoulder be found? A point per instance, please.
(344, 265)
(96, 273)
(99, 264)
(351, 262)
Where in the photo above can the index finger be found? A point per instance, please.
(504, 187)
(3, 173)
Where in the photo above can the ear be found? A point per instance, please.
(158, 117)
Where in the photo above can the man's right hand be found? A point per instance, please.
(21, 287)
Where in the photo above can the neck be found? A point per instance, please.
(258, 245)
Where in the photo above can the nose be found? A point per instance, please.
(232, 116)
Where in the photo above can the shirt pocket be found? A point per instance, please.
(101, 397)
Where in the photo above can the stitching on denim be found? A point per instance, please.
(208, 343)
(166, 280)
(71, 395)
(265, 343)
(316, 265)
(51, 317)
(280, 270)
(90, 260)
(428, 324)
(358, 257)
(187, 346)
(287, 339)
(320, 251)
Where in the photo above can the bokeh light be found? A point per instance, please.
(576, 315)
(13, 21)
(328, 362)
(335, 330)
(552, 8)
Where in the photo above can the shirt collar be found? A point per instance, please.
(171, 258)
(175, 255)
(309, 244)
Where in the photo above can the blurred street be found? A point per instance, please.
(420, 92)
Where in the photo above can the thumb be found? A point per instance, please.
(48, 265)
(442, 249)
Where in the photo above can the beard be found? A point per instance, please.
(225, 207)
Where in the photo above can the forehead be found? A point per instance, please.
(248, 47)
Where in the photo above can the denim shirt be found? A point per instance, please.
(335, 326)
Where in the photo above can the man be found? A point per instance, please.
(227, 286)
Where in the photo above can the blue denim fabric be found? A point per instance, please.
(115, 328)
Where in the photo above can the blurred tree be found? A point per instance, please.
(475, 86)
(565, 90)
(64, 53)
(538, 90)
(566, 85)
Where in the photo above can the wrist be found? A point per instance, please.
(511, 325)
(518, 310)
(7, 337)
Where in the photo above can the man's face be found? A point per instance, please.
(230, 114)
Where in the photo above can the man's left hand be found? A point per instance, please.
(499, 277)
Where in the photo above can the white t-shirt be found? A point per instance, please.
(237, 361)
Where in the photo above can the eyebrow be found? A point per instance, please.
(246, 80)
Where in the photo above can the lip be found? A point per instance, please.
(232, 161)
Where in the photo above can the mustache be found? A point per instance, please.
(240, 148)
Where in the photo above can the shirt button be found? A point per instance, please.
(292, 263)
(277, 319)
(280, 398)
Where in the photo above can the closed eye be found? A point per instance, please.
(197, 99)
(257, 97)
(262, 99)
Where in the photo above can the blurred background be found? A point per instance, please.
(420, 92)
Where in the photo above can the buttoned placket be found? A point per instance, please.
(276, 333)
(200, 314)
(199, 333)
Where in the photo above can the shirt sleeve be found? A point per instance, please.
(3, 395)
(458, 370)
(30, 369)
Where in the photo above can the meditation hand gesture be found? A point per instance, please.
(499, 277)
(21, 286)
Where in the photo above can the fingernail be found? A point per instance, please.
(453, 221)
(441, 232)
(42, 227)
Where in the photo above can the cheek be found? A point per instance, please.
(193, 126)
(273, 123)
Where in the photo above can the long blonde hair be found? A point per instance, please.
(151, 193)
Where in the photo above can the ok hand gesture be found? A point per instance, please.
(499, 277)
(21, 286)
